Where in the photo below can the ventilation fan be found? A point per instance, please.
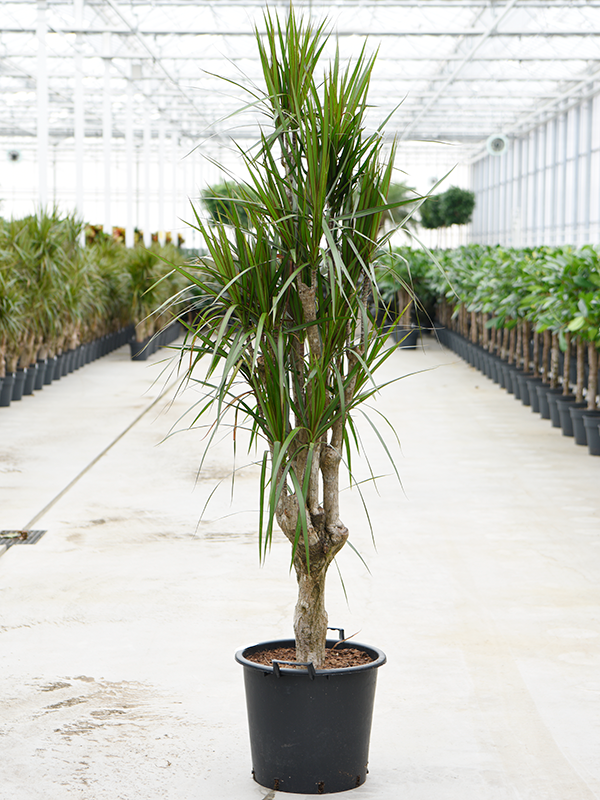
(497, 144)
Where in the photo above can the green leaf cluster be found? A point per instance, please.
(286, 321)
(221, 199)
(56, 294)
(455, 206)
(554, 288)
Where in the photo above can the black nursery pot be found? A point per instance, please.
(139, 350)
(577, 412)
(564, 411)
(534, 402)
(19, 384)
(553, 406)
(543, 391)
(406, 338)
(40, 374)
(524, 388)
(591, 421)
(309, 729)
(30, 379)
(50, 370)
(7, 389)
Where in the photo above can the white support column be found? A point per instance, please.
(523, 192)
(543, 183)
(488, 196)
(587, 197)
(563, 189)
(42, 105)
(129, 167)
(79, 120)
(161, 181)
(496, 198)
(576, 158)
(107, 134)
(554, 238)
(517, 222)
(535, 163)
(508, 195)
(147, 185)
(192, 194)
(502, 199)
(176, 224)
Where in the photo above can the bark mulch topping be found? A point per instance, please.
(334, 659)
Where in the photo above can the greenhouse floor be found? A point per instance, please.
(119, 626)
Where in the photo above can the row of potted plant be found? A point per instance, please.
(58, 298)
(25, 380)
(535, 310)
(553, 403)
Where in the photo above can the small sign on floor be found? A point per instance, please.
(8, 538)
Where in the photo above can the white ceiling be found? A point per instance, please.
(450, 70)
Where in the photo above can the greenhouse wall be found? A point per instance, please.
(545, 188)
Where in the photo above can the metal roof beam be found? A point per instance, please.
(311, 4)
(469, 57)
(386, 33)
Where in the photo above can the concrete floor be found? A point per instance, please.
(118, 628)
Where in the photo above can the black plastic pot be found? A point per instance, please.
(139, 350)
(485, 363)
(479, 358)
(40, 374)
(510, 377)
(30, 379)
(495, 368)
(19, 384)
(65, 363)
(579, 430)
(406, 337)
(532, 384)
(309, 729)
(524, 388)
(591, 421)
(49, 374)
(553, 406)
(543, 390)
(70, 358)
(566, 421)
(501, 374)
(516, 384)
(58, 367)
(7, 389)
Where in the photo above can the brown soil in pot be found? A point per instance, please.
(334, 659)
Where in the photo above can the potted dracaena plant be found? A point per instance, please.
(289, 341)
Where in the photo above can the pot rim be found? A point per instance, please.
(379, 658)
(581, 412)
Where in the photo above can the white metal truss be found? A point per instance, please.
(459, 70)
(447, 70)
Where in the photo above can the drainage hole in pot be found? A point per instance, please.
(321, 787)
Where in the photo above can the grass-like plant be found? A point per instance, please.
(290, 343)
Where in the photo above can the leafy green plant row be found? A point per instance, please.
(525, 305)
(56, 294)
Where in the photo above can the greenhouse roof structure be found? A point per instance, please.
(447, 70)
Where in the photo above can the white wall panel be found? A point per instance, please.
(545, 189)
